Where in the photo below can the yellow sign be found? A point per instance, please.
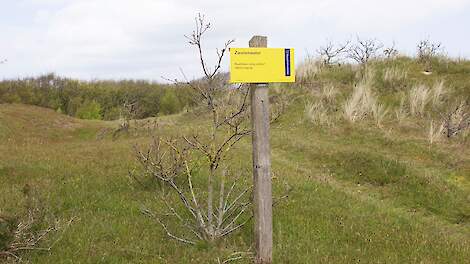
(261, 65)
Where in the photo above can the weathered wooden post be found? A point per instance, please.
(263, 210)
(258, 66)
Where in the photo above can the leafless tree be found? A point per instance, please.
(171, 160)
(331, 53)
(364, 50)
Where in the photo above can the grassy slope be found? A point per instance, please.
(360, 194)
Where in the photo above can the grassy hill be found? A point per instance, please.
(366, 187)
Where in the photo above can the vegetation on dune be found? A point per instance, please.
(376, 156)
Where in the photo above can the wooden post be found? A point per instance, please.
(263, 209)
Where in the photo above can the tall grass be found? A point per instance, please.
(321, 111)
(379, 112)
(317, 113)
(394, 78)
(328, 94)
(358, 105)
(308, 70)
(419, 97)
(395, 74)
(401, 113)
(363, 103)
(438, 92)
(435, 133)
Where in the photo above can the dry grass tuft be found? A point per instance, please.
(438, 91)
(317, 113)
(379, 112)
(418, 99)
(322, 110)
(395, 74)
(328, 94)
(355, 107)
(435, 133)
(308, 69)
(366, 75)
(363, 103)
(401, 113)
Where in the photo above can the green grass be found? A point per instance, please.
(359, 193)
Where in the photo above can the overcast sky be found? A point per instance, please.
(102, 39)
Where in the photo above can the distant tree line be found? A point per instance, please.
(97, 99)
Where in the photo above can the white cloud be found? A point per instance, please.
(144, 39)
(374, 15)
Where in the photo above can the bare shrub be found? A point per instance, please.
(457, 120)
(332, 53)
(419, 97)
(390, 52)
(29, 231)
(363, 50)
(128, 123)
(127, 112)
(218, 207)
(426, 51)
(170, 163)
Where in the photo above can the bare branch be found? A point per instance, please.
(168, 233)
(170, 161)
(457, 120)
(26, 238)
(426, 51)
(364, 50)
(390, 52)
(331, 53)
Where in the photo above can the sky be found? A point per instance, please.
(144, 39)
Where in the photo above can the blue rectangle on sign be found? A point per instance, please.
(287, 61)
